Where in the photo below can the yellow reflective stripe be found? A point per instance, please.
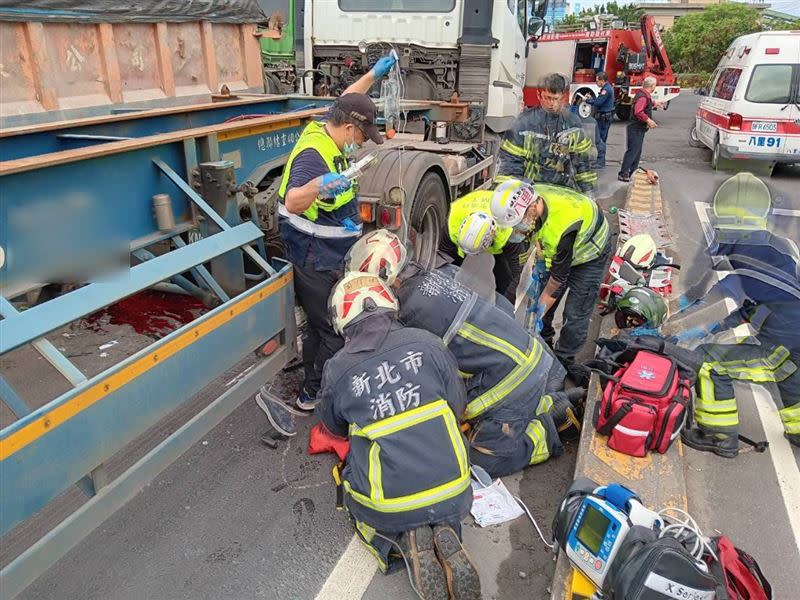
(408, 418)
(790, 412)
(507, 384)
(513, 149)
(482, 338)
(717, 420)
(792, 428)
(374, 470)
(536, 432)
(545, 404)
(713, 405)
(381, 564)
(774, 360)
(412, 501)
(582, 146)
(464, 375)
(586, 176)
(366, 531)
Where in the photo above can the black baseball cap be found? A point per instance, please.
(361, 110)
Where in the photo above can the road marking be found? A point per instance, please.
(783, 461)
(352, 575)
(786, 212)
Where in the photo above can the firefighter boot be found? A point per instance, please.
(721, 444)
(429, 579)
(567, 412)
(463, 582)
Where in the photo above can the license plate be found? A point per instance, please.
(765, 126)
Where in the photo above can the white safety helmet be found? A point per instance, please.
(476, 233)
(640, 251)
(510, 202)
(380, 253)
(357, 294)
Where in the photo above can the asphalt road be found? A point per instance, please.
(235, 519)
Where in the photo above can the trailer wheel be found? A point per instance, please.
(623, 112)
(428, 215)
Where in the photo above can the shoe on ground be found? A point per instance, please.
(306, 401)
(625, 178)
(721, 444)
(426, 572)
(579, 374)
(463, 582)
(279, 415)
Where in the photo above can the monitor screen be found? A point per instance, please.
(593, 529)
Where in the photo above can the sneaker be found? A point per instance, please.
(279, 415)
(306, 401)
(426, 572)
(463, 582)
(721, 444)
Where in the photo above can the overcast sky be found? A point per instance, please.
(787, 6)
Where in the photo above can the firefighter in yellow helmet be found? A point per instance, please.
(494, 221)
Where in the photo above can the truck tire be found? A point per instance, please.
(428, 217)
(623, 112)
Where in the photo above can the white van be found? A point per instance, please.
(752, 110)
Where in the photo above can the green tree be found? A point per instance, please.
(628, 13)
(696, 42)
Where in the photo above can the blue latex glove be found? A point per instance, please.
(540, 268)
(349, 224)
(538, 314)
(692, 334)
(383, 66)
(333, 184)
(639, 331)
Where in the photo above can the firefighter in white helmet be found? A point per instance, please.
(395, 391)
(496, 221)
(515, 406)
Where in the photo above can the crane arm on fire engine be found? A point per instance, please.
(654, 46)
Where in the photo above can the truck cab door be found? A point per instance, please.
(507, 71)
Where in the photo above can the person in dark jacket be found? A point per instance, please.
(603, 105)
(763, 281)
(319, 218)
(395, 392)
(641, 122)
(515, 403)
(547, 144)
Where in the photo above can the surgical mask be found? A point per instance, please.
(351, 147)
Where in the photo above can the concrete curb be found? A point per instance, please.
(658, 478)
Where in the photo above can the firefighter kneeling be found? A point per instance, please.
(512, 379)
(396, 393)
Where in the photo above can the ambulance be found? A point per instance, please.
(752, 111)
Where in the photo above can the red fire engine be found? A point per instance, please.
(626, 55)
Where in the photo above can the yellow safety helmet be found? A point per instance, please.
(476, 233)
(742, 202)
(640, 251)
(510, 202)
(380, 253)
(357, 294)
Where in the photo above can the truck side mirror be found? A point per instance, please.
(535, 26)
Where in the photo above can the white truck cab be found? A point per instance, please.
(752, 110)
(473, 47)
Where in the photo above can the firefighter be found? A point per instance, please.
(575, 243)
(319, 220)
(515, 406)
(603, 106)
(547, 144)
(762, 281)
(493, 221)
(395, 392)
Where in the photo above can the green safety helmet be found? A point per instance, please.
(742, 202)
(640, 306)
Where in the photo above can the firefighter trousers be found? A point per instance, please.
(715, 406)
(507, 439)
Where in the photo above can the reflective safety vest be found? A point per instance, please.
(408, 463)
(499, 359)
(314, 136)
(567, 209)
(477, 201)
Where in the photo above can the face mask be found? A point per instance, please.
(351, 147)
(516, 238)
